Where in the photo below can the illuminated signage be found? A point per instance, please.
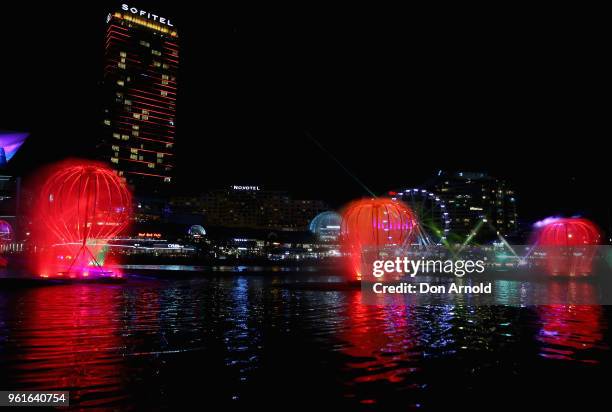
(249, 188)
(150, 235)
(146, 14)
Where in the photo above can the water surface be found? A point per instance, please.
(242, 340)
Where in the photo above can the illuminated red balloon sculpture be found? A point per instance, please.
(568, 244)
(371, 225)
(84, 204)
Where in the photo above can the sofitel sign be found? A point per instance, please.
(150, 16)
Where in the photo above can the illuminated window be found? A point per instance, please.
(114, 160)
(107, 122)
(121, 65)
(135, 127)
(132, 150)
(145, 43)
(123, 54)
(116, 136)
(166, 179)
(125, 137)
(160, 155)
(115, 147)
(120, 82)
(156, 52)
(151, 165)
(164, 93)
(156, 63)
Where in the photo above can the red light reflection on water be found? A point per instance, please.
(67, 340)
(569, 331)
(377, 339)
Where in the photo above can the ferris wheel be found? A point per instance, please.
(432, 213)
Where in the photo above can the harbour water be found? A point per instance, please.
(248, 339)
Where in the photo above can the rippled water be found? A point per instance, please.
(243, 340)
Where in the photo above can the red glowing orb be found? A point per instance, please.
(83, 204)
(371, 225)
(568, 232)
(377, 222)
(568, 244)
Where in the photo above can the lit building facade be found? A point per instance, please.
(141, 60)
(477, 198)
(251, 207)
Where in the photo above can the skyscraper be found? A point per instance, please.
(140, 83)
(473, 198)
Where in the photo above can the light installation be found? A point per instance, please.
(6, 232)
(196, 231)
(433, 216)
(10, 142)
(326, 226)
(373, 225)
(83, 204)
(568, 244)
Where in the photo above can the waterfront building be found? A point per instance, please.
(141, 58)
(477, 198)
(253, 207)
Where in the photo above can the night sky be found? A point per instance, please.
(394, 100)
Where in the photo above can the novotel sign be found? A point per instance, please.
(144, 13)
(250, 188)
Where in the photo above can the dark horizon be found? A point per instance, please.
(394, 106)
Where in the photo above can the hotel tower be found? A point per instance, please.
(141, 59)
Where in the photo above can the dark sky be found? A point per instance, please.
(393, 97)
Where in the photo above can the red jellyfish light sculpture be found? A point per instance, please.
(372, 226)
(84, 205)
(568, 244)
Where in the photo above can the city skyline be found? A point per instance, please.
(251, 126)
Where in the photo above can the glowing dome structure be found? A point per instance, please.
(370, 226)
(196, 231)
(326, 226)
(6, 232)
(568, 244)
(83, 204)
(567, 232)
